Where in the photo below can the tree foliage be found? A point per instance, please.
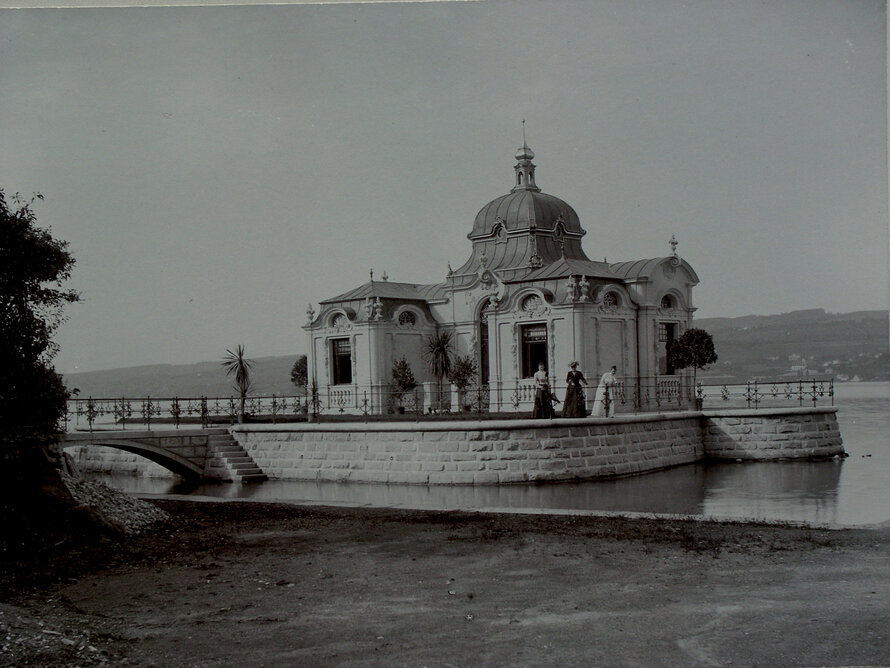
(402, 377)
(694, 348)
(299, 373)
(33, 267)
(463, 371)
(437, 353)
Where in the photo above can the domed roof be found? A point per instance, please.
(525, 206)
(522, 208)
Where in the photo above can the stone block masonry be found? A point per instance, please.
(103, 459)
(478, 452)
(788, 433)
(474, 452)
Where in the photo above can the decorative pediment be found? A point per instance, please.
(341, 319)
(533, 304)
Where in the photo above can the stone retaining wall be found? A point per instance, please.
(481, 452)
(508, 451)
(787, 433)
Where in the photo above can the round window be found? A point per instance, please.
(610, 299)
(407, 318)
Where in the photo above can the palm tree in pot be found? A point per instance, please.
(438, 357)
(237, 365)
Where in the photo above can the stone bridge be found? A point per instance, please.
(208, 454)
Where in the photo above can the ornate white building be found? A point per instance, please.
(527, 294)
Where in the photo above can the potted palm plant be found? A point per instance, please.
(237, 365)
(438, 356)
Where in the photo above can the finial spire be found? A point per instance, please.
(372, 275)
(674, 243)
(525, 169)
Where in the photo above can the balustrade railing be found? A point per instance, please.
(766, 394)
(119, 413)
(382, 402)
(385, 402)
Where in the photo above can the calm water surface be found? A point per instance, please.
(854, 490)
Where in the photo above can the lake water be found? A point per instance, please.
(850, 491)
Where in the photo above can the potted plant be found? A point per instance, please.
(694, 348)
(236, 364)
(437, 354)
(463, 372)
(403, 381)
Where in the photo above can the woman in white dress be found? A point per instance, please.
(604, 400)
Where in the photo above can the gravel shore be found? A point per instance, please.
(250, 584)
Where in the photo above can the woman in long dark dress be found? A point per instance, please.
(574, 403)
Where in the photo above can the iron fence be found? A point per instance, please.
(148, 412)
(382, 402)
(767, 394)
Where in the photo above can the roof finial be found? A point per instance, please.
(372, 275)
(674, 243)
(524, 143)
(385, 277)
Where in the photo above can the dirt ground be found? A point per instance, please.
(249, 584)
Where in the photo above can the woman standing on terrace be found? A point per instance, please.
(604, 401)
(574, 402)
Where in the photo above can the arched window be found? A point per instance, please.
(407, 319)
(338, 320)
(667, 302)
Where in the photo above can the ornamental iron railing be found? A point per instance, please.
(148, 412)
(766, 394)
(429, 402)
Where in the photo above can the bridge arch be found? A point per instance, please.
(167, 458)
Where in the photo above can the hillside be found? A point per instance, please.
(270, 375)
(801, 344)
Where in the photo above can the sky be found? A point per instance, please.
(216, 170)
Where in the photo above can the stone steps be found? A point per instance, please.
(238, 464)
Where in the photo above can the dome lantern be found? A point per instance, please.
(524, 167)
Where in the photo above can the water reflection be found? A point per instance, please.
(783, 490)
(850, 491)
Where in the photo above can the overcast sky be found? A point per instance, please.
(217, 169)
